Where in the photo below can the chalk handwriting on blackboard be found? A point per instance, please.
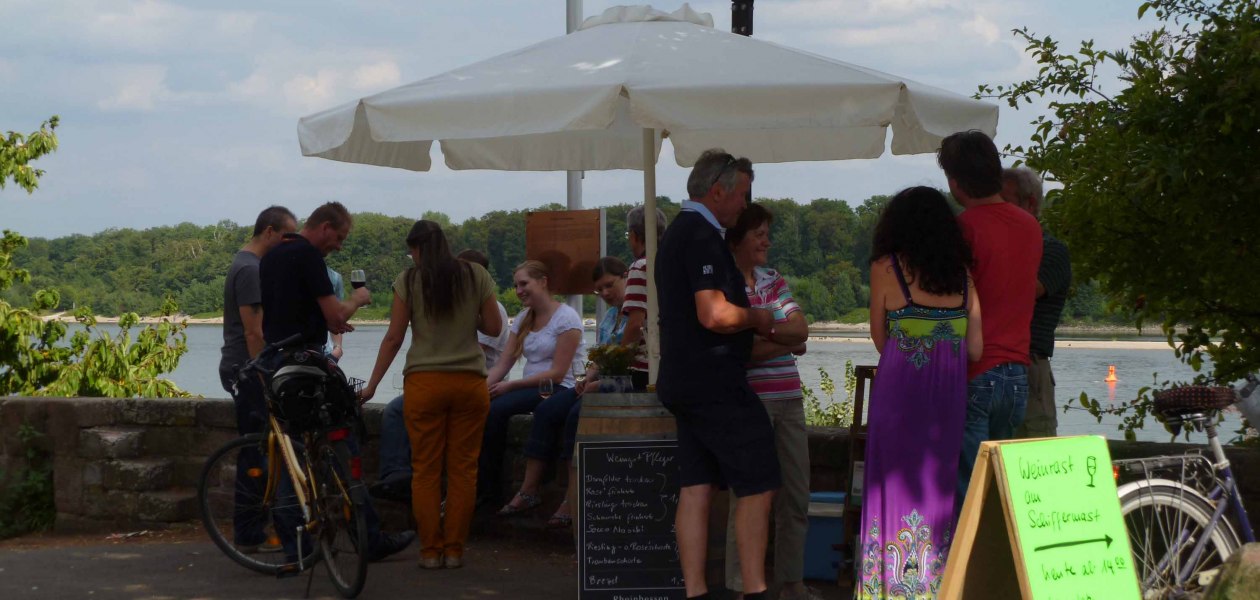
(628, 501)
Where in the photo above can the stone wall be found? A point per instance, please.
(133, 463)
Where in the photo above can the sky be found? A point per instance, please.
(186, 111)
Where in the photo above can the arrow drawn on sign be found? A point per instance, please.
(1104, 538)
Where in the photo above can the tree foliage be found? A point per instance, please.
(822, 247)
(36, 357)
(1159, 180)
(17, 151)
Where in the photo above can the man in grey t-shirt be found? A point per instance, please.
(242, 340)
(242, 292)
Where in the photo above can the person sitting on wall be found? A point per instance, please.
(610, 285)
(549, 334)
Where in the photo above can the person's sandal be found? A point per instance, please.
(531, 502)
(560, 521)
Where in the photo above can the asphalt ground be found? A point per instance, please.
(182, 563)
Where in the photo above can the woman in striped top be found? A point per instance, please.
(773, 375)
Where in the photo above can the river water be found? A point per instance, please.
(1076, 370)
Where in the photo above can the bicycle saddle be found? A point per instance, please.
(1193, 399)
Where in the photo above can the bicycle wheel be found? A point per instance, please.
(239, 493)
(343, 535)
(1158, 513)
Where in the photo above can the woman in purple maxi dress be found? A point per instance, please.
(924, 321)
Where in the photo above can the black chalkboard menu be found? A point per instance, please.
(629, 494)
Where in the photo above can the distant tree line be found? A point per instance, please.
(823, 247)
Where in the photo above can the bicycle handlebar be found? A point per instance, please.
(255, 364)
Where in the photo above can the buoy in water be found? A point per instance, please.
(1111, 374)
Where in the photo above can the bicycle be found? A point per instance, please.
(298, 474)
(1176, 513)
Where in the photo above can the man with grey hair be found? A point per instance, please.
(634, 305)
(724, 434)
(1022, 187)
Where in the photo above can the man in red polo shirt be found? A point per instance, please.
(1006, 245)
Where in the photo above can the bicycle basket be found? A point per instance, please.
(1193, 398)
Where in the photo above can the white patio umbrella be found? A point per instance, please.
(605, 96)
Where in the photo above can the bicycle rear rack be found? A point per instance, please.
(1193, 470)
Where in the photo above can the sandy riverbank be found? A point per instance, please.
(825, 332)
(1096, 344)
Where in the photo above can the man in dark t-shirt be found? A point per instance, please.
(298, 298)
(724, 435)
(1021, 187)
(297, 295)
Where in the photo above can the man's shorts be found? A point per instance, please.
(724, 438)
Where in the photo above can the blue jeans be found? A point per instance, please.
(996, 400)
(570, 430)
(493, 441)
(550, 426)
(395, 446)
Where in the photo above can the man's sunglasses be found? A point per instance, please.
(730, 160)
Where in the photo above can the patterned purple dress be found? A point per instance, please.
(917, 409)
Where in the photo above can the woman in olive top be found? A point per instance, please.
(446, 399)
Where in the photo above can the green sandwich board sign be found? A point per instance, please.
(1042, 521)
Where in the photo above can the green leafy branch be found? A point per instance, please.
(834, 413)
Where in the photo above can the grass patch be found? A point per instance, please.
(857, 316)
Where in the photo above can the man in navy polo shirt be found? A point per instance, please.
(298, 297)
(724, 435)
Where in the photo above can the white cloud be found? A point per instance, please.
(984, 28)
(882, 36)
(236, 23)
(297, 81)
(156, 26)
(312, 92)
(256, 85)
(135, 88)
(376, 77)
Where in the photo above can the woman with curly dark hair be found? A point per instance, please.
(925, 322)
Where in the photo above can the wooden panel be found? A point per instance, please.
(567, 241)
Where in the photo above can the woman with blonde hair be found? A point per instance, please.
(548, 333)
(446, 301)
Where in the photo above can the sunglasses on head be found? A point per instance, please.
(730, 160)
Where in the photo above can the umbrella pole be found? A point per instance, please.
(649, 222)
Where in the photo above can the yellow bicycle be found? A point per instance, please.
(279, 501)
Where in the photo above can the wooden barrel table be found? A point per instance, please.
(616, 417)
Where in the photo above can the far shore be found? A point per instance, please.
(827, 332)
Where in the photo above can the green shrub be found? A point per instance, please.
(837, 413)
(26, 496)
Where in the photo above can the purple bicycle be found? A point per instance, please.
(1184, 514)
